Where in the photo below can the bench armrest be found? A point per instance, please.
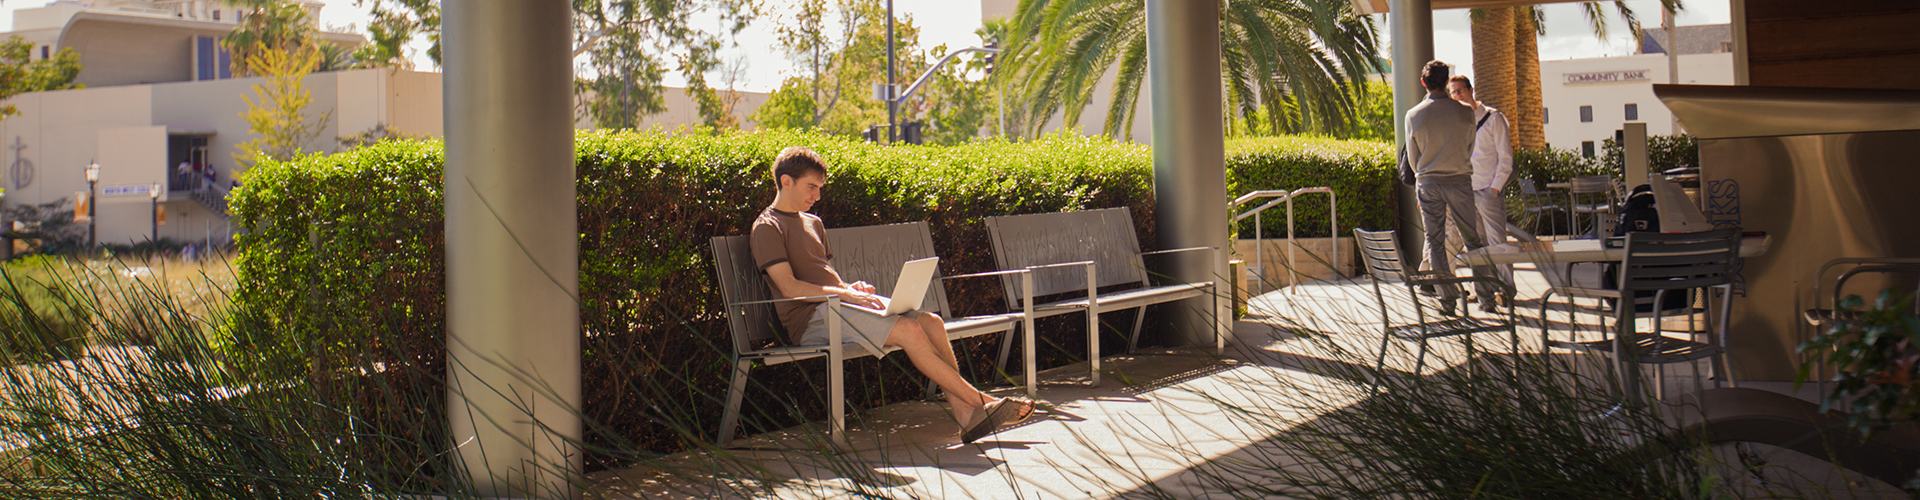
(988, 274)
(1178, 250)
(789, 299)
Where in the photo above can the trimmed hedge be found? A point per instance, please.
(342, 258)
(1361, 173)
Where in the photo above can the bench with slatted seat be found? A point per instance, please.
(1080, 253)
(872, 254)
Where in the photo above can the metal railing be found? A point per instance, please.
(1286, 197)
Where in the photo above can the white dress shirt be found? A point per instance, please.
(1492, 152)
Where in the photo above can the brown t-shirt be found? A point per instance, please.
(800, 240)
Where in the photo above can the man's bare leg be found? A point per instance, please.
(932, 354)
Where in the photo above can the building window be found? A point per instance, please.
(216, 15)
(1586, 148)
(1633, 112)
(44, 51)
(1586, 114)
(1543, 117)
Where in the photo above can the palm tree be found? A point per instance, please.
(1289, 64)
(266, 25)
(1506, 61)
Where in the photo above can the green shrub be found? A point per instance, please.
(342, 256)
(1361, 173)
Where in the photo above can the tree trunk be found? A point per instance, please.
(1493, 57)
(1526, 116)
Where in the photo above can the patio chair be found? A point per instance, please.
(1593, 195)
(1380, 259)
(1540, 205)
(1818, 319)
(1655, 265)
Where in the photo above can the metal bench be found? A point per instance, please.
(1104, 244)
(867, 253)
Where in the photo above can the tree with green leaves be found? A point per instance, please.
(266, 26)
(277, 111)
(19, 73)
(392, 25)
(631, 44)
(1307, 54)
(851, 63)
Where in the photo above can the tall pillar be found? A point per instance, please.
(1189, 153)
(1411, 22)
(513, 324)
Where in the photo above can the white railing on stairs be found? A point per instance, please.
(1283, 196)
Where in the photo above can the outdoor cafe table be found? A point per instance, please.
(1571, 251)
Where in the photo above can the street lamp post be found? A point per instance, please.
(153, 193)
(93, 199)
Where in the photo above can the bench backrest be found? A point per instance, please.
(872, 254)
(1103, 236)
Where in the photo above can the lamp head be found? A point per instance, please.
(93, 172)
(154, 192)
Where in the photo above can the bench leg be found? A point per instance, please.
(1029, 363)
(1139, 316)
(1006, 349)
(1093, 343)
(731, 416)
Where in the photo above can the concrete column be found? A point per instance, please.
(513, 321)
(1411, 22)
(1189, 152)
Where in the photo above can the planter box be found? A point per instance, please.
(1313, 258)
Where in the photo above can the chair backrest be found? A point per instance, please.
(1672, 261)
(1590, 184)
(1380, 255)
(1527, 187)
(872, 254)
(1104, 236)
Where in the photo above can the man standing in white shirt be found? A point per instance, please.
(1492, 165)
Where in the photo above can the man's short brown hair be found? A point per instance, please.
(1434, 75)
(1462, 79)
(797, 162)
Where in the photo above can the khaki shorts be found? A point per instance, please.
(865, 328)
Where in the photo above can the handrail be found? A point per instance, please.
(1286, 197)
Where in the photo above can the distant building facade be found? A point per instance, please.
(1587, 100)
(159, 93)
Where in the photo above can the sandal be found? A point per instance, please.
(994, 415)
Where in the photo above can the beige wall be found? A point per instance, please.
(65, 130)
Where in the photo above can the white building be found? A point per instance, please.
(159, 93)
(1587, 100)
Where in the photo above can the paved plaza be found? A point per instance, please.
(1168, 423)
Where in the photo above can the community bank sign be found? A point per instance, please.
(1600, 77)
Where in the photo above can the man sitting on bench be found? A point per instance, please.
(790, 246)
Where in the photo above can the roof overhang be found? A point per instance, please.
(1365, 7)
(108, 19)
(1729, 111)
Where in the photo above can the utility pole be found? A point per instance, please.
(893, 104)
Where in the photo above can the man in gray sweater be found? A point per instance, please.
(1439, 146)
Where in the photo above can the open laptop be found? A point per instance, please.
(910, 289)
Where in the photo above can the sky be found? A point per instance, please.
(757, 65)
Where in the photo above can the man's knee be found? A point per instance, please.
(906, 333)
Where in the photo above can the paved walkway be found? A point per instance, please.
(1168, 423)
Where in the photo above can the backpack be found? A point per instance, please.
(1640, 214)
